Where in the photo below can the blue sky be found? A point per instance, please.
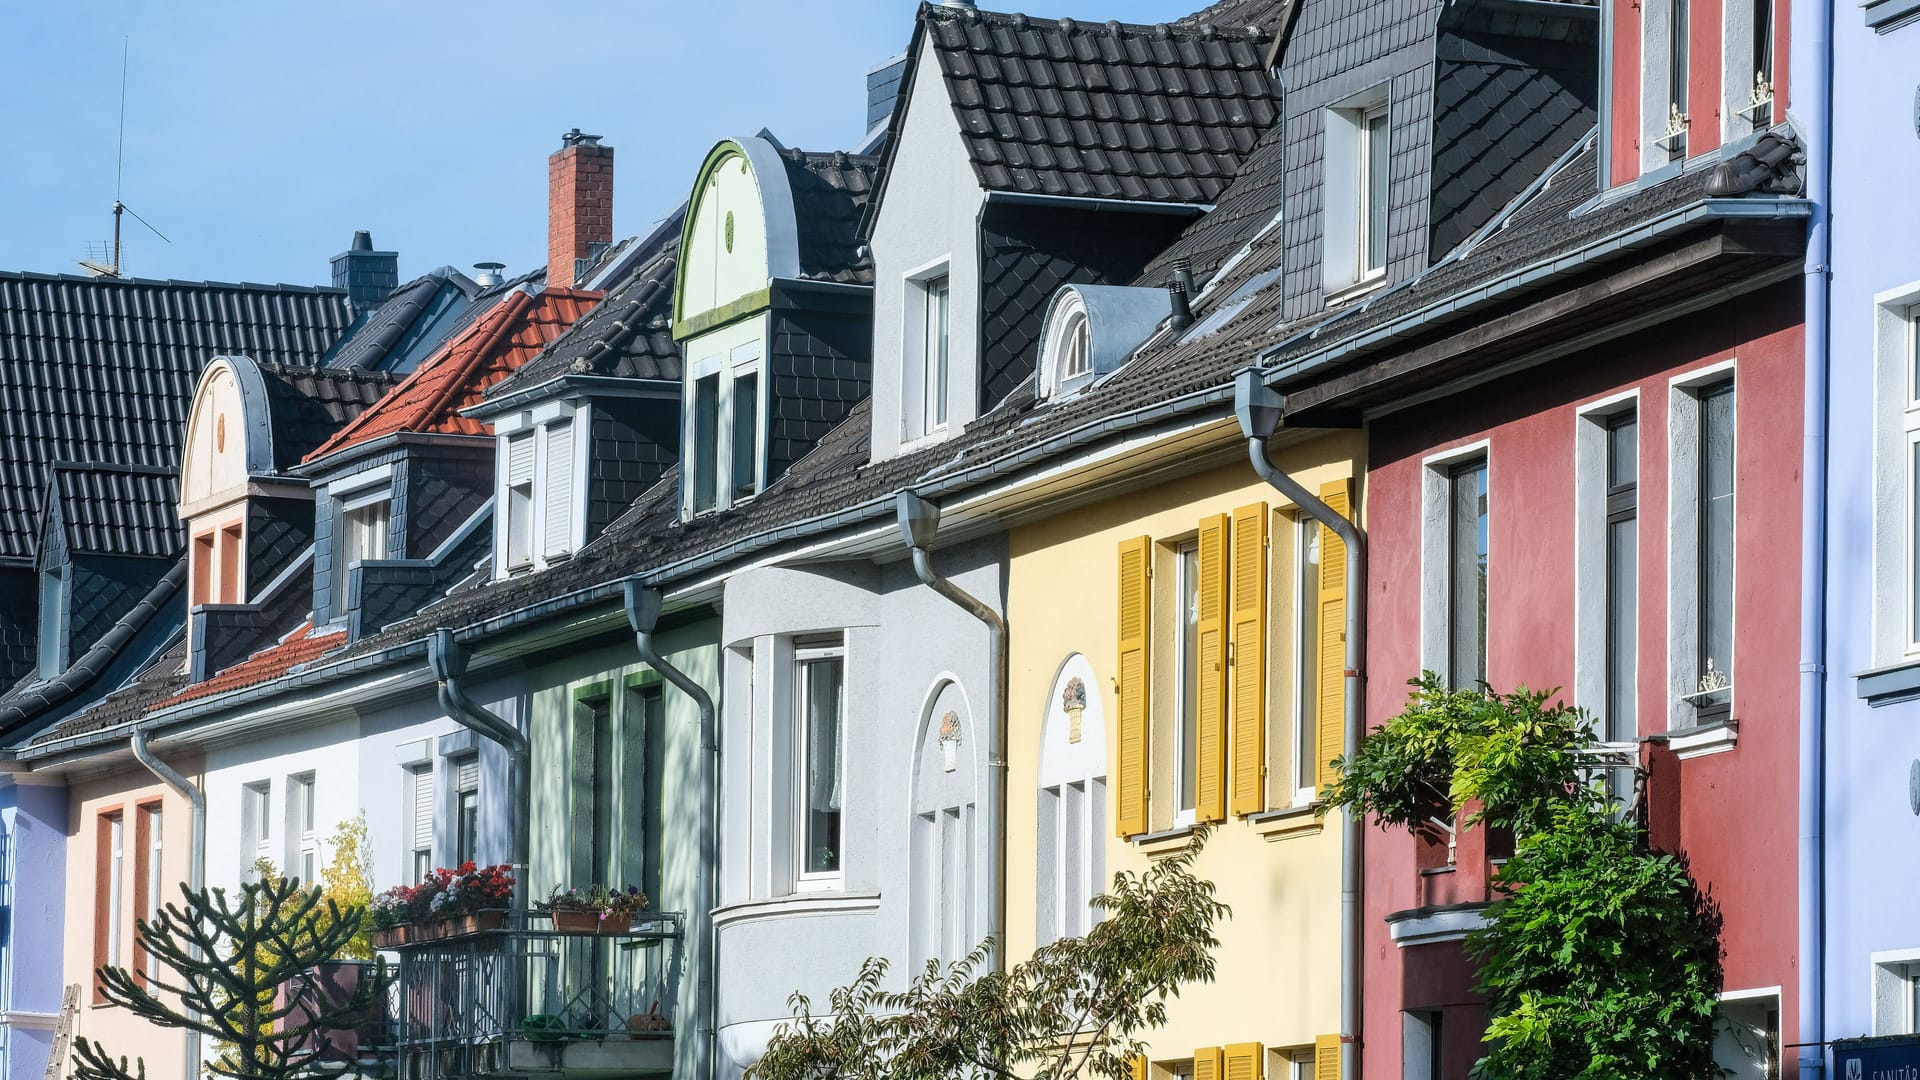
(259, 136)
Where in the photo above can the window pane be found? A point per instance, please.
(1467, 576)
(1305, 758)
(1913, 573)
(467, 834)
(1677, 71)
(1716, 533)
(936, 322)
(1073, 887)
(1623, 452)
(116, 828)
(52, 596)
(1378, 157)
(746, 433)
(1622, 634)
(1189, 681)
(821, 682)
(520, 525)
(706, 434)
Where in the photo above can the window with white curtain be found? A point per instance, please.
(820, 713)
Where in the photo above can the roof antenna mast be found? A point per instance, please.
(112, 267)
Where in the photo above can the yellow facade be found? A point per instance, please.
(1255, 622)
(110, 886)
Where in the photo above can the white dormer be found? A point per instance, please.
(925, 240)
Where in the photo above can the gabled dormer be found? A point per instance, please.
(108, 534)
(772, 314)
(1408, 127)
(1026, 154)
(1688, 77)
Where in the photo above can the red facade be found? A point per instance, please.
(1733, 813)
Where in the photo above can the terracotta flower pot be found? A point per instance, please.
(617, 923)
(390, 937)
(576, 920)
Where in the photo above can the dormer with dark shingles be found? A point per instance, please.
(1027, 154)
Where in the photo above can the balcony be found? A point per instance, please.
(529, 1000)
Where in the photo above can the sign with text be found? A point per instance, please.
(1893, 1057)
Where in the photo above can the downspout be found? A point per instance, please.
(919, 520)
(196, 848)
(643, 614)
(1818, 86)
(1258, 407)
(447, 659)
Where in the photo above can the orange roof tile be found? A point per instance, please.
(459, 372)
(269, 663)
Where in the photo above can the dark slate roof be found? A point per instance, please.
(829, 198)
(310, 404)
(102, 369)
(406, 326)
(1101, 110)
(629, 334)
(119, 510)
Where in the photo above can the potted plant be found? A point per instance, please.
(468, 899)
(595, 909)
(388, 916)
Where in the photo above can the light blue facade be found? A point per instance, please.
(33, 866)
(1872, 766)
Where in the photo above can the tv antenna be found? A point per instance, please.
(107, 263)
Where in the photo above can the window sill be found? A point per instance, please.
(1166, 841)
(1365, 286)
(1694, 742)
(1889, 685)
(1433, 925)
(1287, 822)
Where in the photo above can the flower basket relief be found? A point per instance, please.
(593, 909)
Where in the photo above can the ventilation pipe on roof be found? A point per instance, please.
(447, 659)
(955, 3)
(1258, 407)
(919, 520)
(643, 614)
(196, 848)
(488, 273)
(1181, 290)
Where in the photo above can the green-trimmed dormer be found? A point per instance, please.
(772, 311)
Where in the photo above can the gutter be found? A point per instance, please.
(643, 614)
(81, 673)
(572, 385)
(448, 661)
(1259, 408)
(1812, 937)
(197, 847)
(919, 520)
(1081, 202)
(1768, 208)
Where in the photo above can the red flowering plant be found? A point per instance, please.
(391, 908)
(465, 890)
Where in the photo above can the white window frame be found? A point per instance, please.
(537, 424)
(1185, 780)
(1683, 554)
(1743, 997)
(803, 656)
(1907, 346)
(511, 524)
(418, 772)
(1346, 263)
(1894, 990)
(1306, 660)
(1066, 354)
(256, 824)
(303, 848)
(917, 403)
(726, 369)
(116, 885)
(154, 817)
(1656, 87)
(463, 793)
(352, 508)
(1593, 425)
(1065, 764)
(52, 647)
(1436, 564)
(1896, 539)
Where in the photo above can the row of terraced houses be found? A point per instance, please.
(891, 543)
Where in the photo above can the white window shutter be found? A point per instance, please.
(520, 459)
(558, 529)
(423, 809)
(468, 778)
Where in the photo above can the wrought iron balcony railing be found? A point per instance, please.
(529, 999)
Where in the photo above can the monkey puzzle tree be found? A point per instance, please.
(220, 966)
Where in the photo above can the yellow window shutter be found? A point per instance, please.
(1210, 770)
(1136, 632)
(1330, 731)
(1250, 659)
(1326, 1057)
(1243, 1061)
(1206, 1063)
(1137, 1066)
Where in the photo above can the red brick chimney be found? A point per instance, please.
(579, 204)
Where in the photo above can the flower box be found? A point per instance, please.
(390, 937)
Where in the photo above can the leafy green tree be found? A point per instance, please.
(1079, 1007)
(220, 967)
(1600, 957)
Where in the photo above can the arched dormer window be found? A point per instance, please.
(1091, 330)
